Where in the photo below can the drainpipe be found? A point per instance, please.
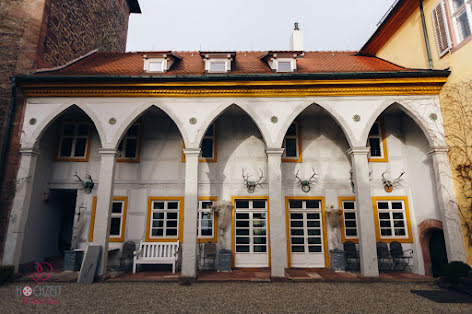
(8, 127)
(426, 38)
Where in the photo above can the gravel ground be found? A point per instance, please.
(230, 297)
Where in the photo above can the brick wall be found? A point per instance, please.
(47, 33)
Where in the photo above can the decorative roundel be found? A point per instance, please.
(356, 118)
(112, 121)
(33, 121)
(433, 116)
(27, 291)
(274, 119)
(192, 120)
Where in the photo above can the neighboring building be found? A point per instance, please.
(273, 117)
(47, 33)
(447, 45)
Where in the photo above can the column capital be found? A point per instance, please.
(108, 152)
(438, 150)
(358, 150)
(274, 151)
(189, 152)
(29, 151)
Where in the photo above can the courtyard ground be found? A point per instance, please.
(233, 297)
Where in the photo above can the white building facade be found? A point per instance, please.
(159, 150)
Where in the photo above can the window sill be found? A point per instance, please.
(82, 159)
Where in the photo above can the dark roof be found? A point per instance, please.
(245, 62)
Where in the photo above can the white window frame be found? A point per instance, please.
(123, 144)
(296, 137)
(120, 216)
(350, 211)
(227, 63)
(147, 65)
(391, 211)
(74, 138)
(251, 211)
(202, 210)
(381, 137)
(165, 210)
(304, 211)
(467, 7)
(293, 64)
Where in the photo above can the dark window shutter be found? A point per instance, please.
(441, 29)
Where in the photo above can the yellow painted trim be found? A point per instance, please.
(340, 202)
(123, 225)
(323, 221)
(377, 224)
(300, 148)
(138, 148)
(215, 221)
(181, 218)
(233, 240)
(384, 144)
(92, 219)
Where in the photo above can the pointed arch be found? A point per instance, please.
(334, 115)
(139, 112)
(412, 113)
(215, 115)
(49, 120)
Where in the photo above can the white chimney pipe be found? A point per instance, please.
(296, 40)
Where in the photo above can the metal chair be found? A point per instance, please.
(209, 254)
(384, 259)
(352, 255)
(401, 259)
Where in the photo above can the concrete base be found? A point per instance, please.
(279, 279)
(186, 281)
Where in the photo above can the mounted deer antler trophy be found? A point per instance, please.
(306, 184)
(389, 184)
(251, 185)
(86, 185)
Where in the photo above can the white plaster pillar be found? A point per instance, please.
(447, 205)
(189, 245)
(365, 213)
(21, 207)
(101, 230)
(278, 241)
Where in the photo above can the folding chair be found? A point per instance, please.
(383, 257)
(351, 255)
(401, 259)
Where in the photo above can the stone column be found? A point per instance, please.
(365, 213)
(189, 245)
(278, 241)
(21, 206)
(101, 230)
(447, 205)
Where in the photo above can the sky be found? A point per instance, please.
(238, 25)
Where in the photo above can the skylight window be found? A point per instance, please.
(156, 66)
(217, 66)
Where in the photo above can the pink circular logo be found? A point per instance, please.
(27, 291)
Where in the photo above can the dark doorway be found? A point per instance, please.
(64, 203)
(437, 250)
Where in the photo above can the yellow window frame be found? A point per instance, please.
(123, 223)
(409, 238)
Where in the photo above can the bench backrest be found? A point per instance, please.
(158, 249)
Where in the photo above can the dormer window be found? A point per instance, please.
(282, 61)
(159, 62)
(217, 62)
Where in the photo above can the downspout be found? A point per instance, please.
(8, 127)
(426, 38)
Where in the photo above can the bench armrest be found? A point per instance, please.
(136, 253)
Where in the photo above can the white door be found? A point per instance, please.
(250, 233)
(306, 233)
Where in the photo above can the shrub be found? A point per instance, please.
(6, 273)
(456, 270)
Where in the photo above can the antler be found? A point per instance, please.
(383, 176)
(260, 178)
(397, 180)
(296, 176)
(81, 181)
(312, 178)
(91, 180)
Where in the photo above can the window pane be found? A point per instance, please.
(242, 224)
(131, 147)
(313, 223)
(242, 204)
(171, 223)
(207, 232)
(158, 216)
(66, 147)
(242, 248)
(463, 25)
(386, 232)
(298, 249)
(259, 215)
(80, 146)
(115, 226)
(158, 205)
(158, 223)
(259, 204)
(400, 232)
(207, 205)
(351, 224)
(291, 147)
(315, 249)
(116, 207)
(207, 215)
(348, 205)
(172, 205)
(295, 204)
(259, 232)
(207, 148)
(292, 130)
(298, 240)
(351, 232)
(260, 240)
(457, 4)
(296, 223)
(382, 205)
(314, 232)
(258, 223)
(313, 216)
(397, 205)
(397, 215)
(296, 216)
(296, 232)
(172, 215)
(242, 216)
(217, 66)
(312, 204)
(284, 66)
(171, 232)
(157, 232)
(155, 66)
(260, 248)
(242, 231)
(314, 240)
(349, 216)
(242, 240)
(375, 147)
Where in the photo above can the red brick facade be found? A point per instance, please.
(47, 33)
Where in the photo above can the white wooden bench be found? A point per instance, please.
(156, 253)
